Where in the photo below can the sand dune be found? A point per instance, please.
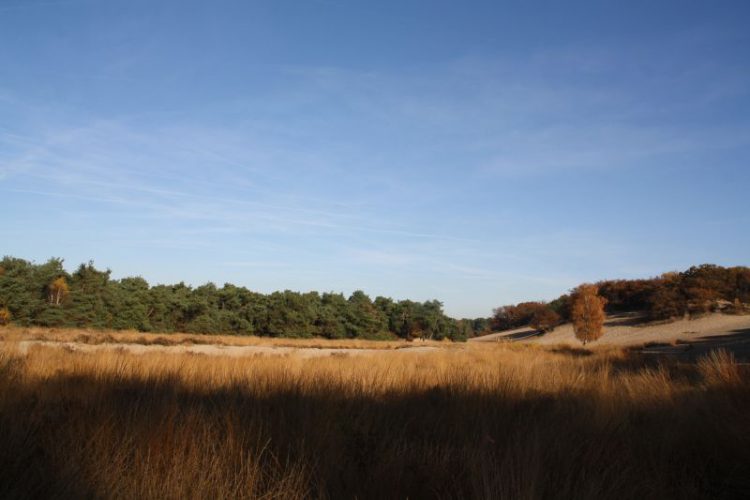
(699, 335)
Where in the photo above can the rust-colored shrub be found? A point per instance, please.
(4, 316)
(545, 320)
(588, 313)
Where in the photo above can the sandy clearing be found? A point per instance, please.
(217, 350)
(718, 330)
(618, 332)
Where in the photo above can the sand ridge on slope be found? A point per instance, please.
(618, 331)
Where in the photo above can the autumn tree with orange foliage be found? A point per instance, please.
(4, 316)
(587, 313)
(545, 320)
(58, 291)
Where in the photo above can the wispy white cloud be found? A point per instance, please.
(409, 172)
(255, 263)
(110, 162)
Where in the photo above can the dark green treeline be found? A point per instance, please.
(47, 295)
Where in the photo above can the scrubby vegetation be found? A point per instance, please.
(696, 291)
(47, 295)
(500, 421)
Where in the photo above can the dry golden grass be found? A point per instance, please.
(95, 337)
(487, 421)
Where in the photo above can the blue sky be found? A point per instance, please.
(479, 153)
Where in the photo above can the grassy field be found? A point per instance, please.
(97, 337)
(485, 421)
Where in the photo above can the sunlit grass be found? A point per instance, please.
(96, 337)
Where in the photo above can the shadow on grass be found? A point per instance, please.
(78, 437)
(627, 319)
(576, 352)
(737, 342)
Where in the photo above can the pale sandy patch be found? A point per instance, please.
(618, 334)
